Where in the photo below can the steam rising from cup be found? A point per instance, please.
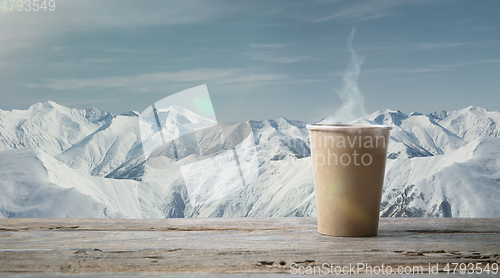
(353, 106)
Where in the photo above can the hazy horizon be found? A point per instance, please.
(260, 60)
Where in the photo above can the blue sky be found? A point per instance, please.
(259, 59)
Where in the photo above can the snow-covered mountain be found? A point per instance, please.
(34, 184)
(61, 162)
(102, 151)
(463, 182)
(48, 126)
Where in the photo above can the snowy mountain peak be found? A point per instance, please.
(53, 109)
(175, 114)
(95, 115)
(47, 104)
(175, 109)
(381, 111)
(47, 107)
(390, 118)
(91, 163)
(475, 109)
(131, 113)
(441, 115)
(48, 126)
(287, 122)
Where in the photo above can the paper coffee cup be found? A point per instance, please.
(349, 167)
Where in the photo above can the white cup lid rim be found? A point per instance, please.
(346, 126)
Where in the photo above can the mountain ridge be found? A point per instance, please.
(435, 161)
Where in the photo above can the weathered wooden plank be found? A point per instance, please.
(230, 245)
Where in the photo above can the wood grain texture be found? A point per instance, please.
(235, 245)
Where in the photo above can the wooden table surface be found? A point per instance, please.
(239, 245)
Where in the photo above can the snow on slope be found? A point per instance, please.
(105, 149)
(416, 135)
(428, 160)
(469, 123)
(440, 164)
(175, 122)
(48, 126)
(462, 183)
(114, 150)
(34, 184)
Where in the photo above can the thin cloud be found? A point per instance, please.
(268, 45)
(283, 59)
(115, 50)
(489, 61)
(152, 81)
(100, 60)
(28, 28)
(362, 11)
(359, 11)
(417, 46)
(438, 45)
(275, 53)
(428, 69)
